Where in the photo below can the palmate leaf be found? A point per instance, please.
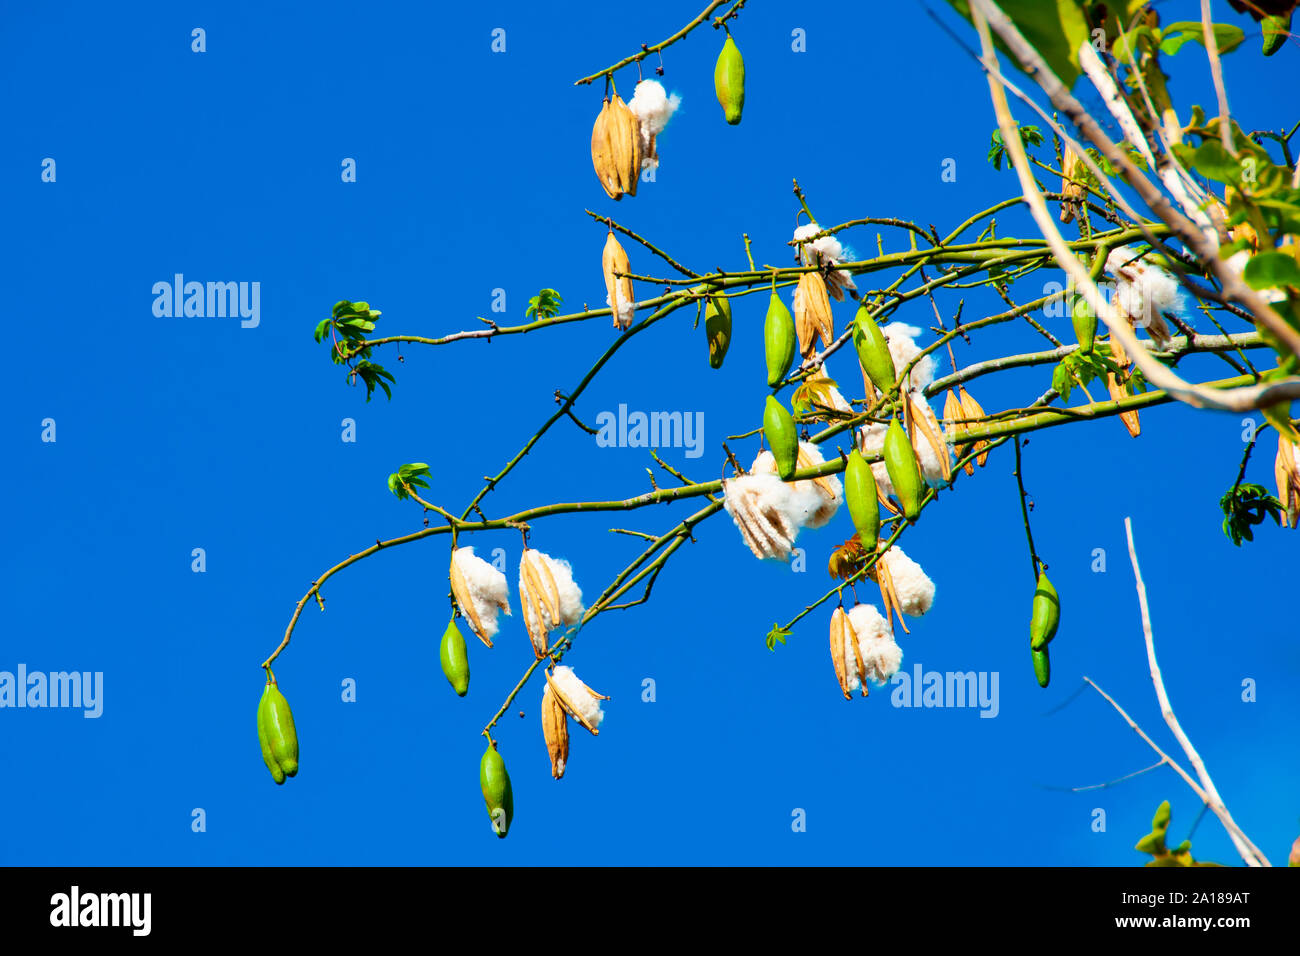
(545, 305)
(778, 633)
(1244, 507)
(1029, 136)
(406, 477)
(372, 375)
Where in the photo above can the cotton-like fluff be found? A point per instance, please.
(914, 588)
(871, 441)
(903, 348)
(813, 501)
(653, 108)
(881, 655)
(825, 251)
(761, 507)
(578, 695)
(548, 594)
(1144, 291)
(480, 590)
(625, 310)
(1237, 263)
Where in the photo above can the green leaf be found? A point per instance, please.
(544, 305)
(1176, 35)
(1272, 270)
(1055, 28)
(1212, 161)
(778, 633)
(321, 328)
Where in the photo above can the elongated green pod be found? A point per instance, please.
(264, 739)
(782, 437)
(1276, 30)
(873, 350)
(904, 473)
(860, 495)
(778, 340)
(729, 81)
(497, 794)
(717, 328)
(454, 657)
(1046, 614)
(1042, 666)
(280, 732)
(1085, 323)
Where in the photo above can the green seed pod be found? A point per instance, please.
(498, 796)
(729, 81)
(717, 328)
(860, 496)
(778, 340)
(455, 659)
(280, 732)
(1276, 30)
(1085, 323)
(904, 474)
(1042, 667)
(782, 437)
(269, 758)
(873, 351)
(1046, 614)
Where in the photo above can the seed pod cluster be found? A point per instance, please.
(616, 148)
(960, 405)
(454, 657)
(778, 341)
(729, 81)
(782, 437)
(618, 286)
(717, 328)
(276, 733)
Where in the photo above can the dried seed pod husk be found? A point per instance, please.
(465, 596)
(952, 412)
(541, 597)
(843, 636)
(602, 153)
(1286, 472)
(782, 437)
(812, 313)
(778, 341)
(1072, 170)
(926, 428)
(570, 706)
(555, 730)
(618, 288)
(1129, 417)
(973, 410)
(625, 142)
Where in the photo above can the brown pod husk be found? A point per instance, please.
(555, 729)
(812, 313)
(614, 260)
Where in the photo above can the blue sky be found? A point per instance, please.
(472, 175)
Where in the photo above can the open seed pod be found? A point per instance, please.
(812, 313)
(577, 699)
(925, 428)
(618, 288)
(844, 640)
(480, 591)
(555, 729)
